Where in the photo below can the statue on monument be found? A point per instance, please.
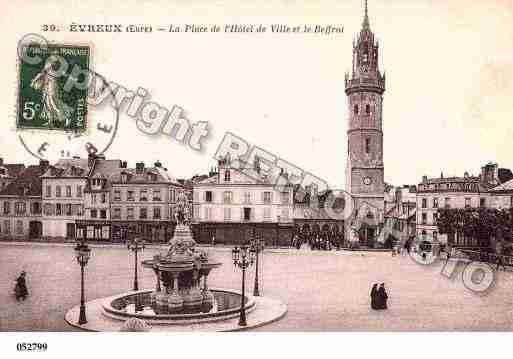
(182, 214)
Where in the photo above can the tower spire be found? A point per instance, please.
(365, 24)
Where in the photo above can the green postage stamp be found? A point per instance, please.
(49, 96)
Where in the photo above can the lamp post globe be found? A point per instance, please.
(242, 257)
(82, 253)
(135, 245)
(256, 248)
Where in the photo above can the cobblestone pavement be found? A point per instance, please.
(323, 290)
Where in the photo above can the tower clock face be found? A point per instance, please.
(367, 181)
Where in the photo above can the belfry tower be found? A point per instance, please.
(364, 88)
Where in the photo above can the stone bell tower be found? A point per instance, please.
(364, 88)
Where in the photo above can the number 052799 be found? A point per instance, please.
(27, 347)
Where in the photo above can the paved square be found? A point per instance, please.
(324, 291)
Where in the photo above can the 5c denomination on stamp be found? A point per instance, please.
(46, 97)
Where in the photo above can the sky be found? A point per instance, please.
(447, 106)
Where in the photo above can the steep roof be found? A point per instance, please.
(505, 175)
(27, 184)
(69, 167)
(505, 187)
(142, 177)
(12, 170)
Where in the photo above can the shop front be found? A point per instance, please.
(150, 231)
(92, 230)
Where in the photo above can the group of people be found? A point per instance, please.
(316, 243)
(379, 297)
(20, 289)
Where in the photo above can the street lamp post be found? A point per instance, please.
(278, 232)
(243, 257)
(83, 253)
(257, 246)
(135, 246)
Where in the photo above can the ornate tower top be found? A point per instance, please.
(365, 24)
(365, 75)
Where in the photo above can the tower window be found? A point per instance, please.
(367, 109)
(356, 109)
(367, 145)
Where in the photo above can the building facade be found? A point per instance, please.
(63, 196)
(121, 203)
(400, 215)
(21, 204)
(364, 88)
(142, 202)
(458, 192)
(233, 206)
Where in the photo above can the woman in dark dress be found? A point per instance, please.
(21, 287)
(374, 297)
(382, 297)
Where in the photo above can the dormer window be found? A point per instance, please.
(227, 176)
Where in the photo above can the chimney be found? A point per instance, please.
(490, 173)
(139, 167)
(424, 179)
(398, 195)
(256, 164)
(123, 164)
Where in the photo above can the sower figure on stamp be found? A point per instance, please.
(20, 290)
(55, 110)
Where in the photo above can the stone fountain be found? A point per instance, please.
(181, 298)
(181, 275)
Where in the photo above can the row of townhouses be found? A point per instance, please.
(101, 199)
(91, 198)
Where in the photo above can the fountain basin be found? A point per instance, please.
(226, 305)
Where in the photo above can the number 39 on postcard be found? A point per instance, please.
(50, 95)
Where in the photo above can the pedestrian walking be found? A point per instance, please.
(382, 297)
(20, 290)
(374, 296)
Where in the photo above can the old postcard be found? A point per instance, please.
(178, 168)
